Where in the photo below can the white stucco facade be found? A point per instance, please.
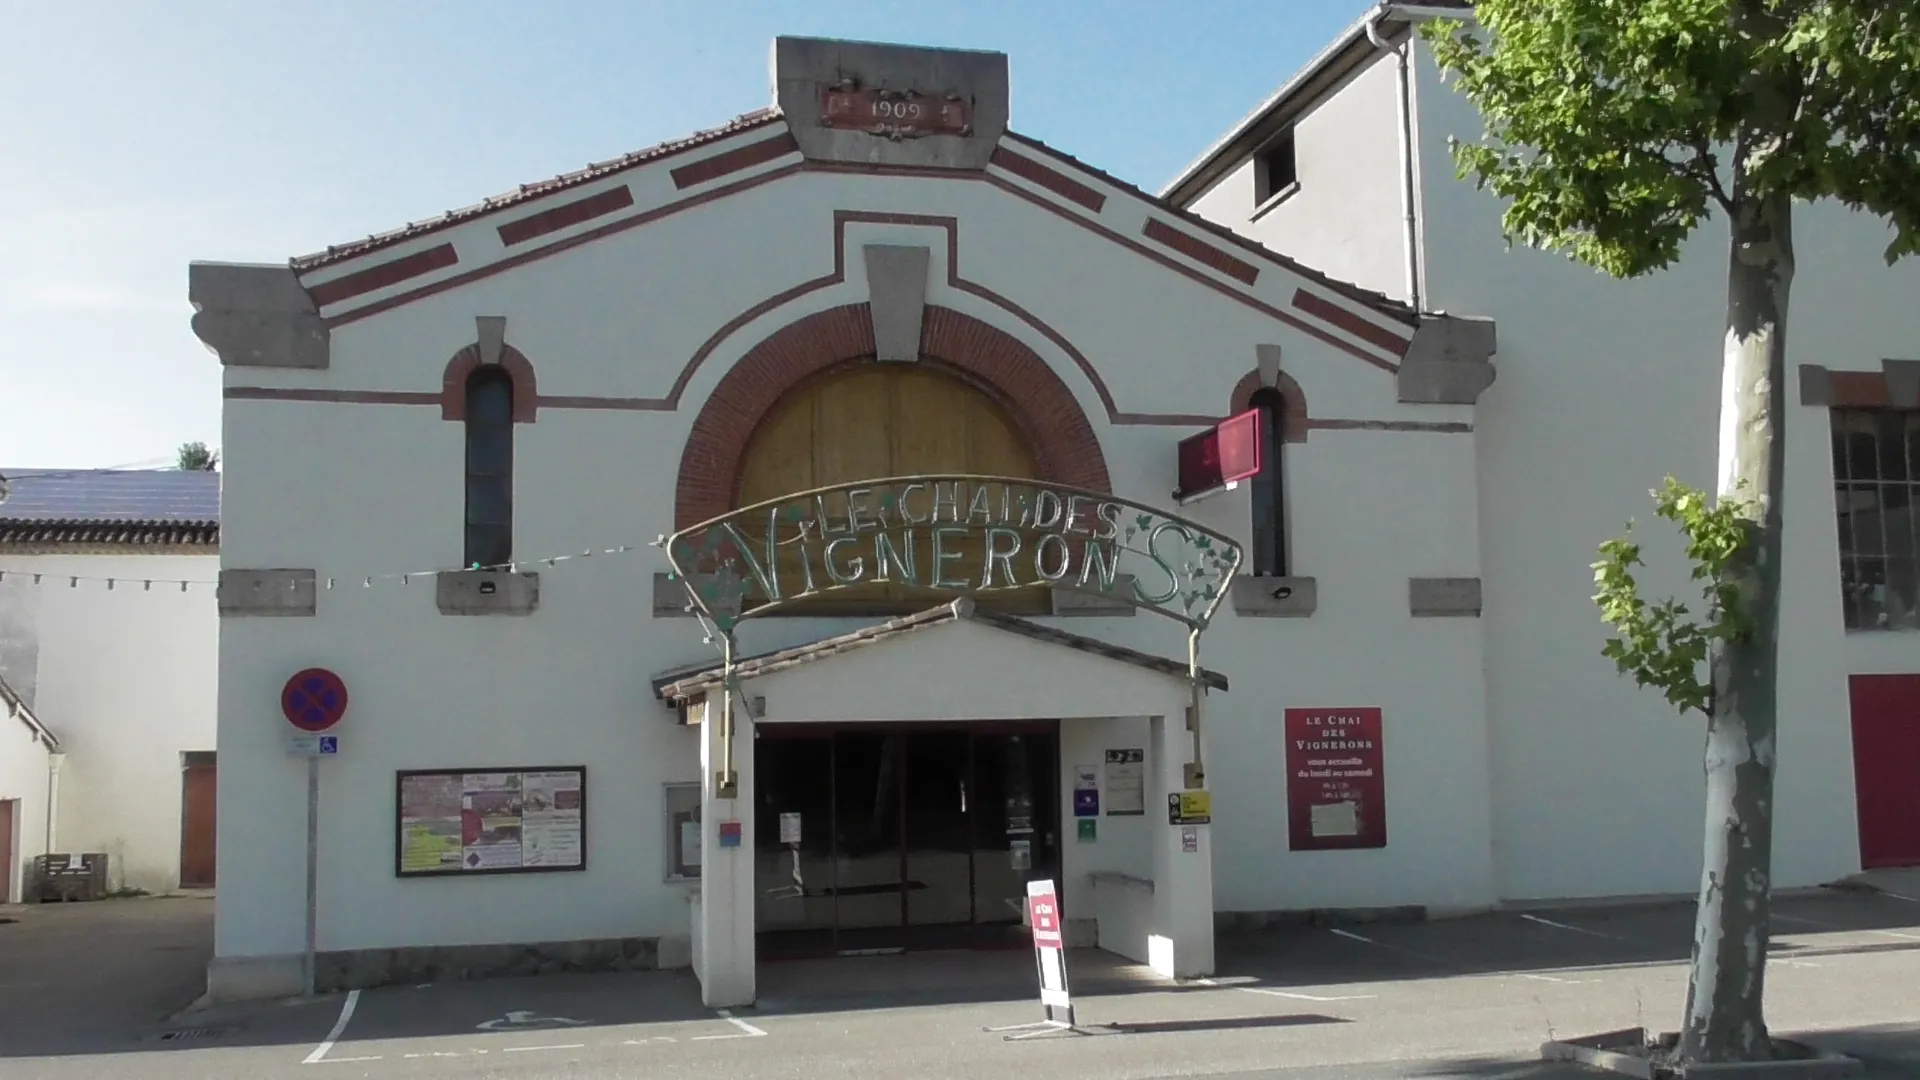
(1150, 324)
(1603, 388)
(125, 677)
(652, 312)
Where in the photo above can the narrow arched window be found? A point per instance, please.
(489, 539)
(1269, 492)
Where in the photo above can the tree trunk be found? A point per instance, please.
(1725, 1019)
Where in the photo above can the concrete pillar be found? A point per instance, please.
(1180, 933)
(726, 916)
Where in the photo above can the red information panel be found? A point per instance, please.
(1336, 780)
(1043, 911)
(1226, 453)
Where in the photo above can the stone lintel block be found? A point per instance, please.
(267, 592)
(1443, 596)
(1274, 597)
(1450, 361)
(804, 68)
(897, 296)
(487, 592)
(1896, 385)
(1074, 602)
(670, 599)
(256, 316)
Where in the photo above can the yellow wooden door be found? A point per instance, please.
(876, 420)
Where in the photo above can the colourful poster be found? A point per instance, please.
(452, 822)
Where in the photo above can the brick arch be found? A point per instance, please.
(1049, 417)
(1293, 426)
(453, 383)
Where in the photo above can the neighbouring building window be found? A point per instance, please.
(1876, 475)
(1274, 170)
(489, 467)
(1269, 494)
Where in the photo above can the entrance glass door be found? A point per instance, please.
(879, 838)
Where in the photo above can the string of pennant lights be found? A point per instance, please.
(41, 578)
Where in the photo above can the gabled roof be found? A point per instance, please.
(12, 704)
(119, 507)
(448, 263)
(1332, 64)
(684, 683)
(338, 252)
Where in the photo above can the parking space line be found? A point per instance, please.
(1844, 929)
(748, 1031)
(1303, 997)
(1571, 927)
(525, 1049)
(1462, 968)
(340, 1025)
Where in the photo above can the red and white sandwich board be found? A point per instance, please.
(1050, 957)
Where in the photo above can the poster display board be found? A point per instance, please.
(1126, 782)
(491, 821)
(1336, 780)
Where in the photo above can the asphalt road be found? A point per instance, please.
(94, 991)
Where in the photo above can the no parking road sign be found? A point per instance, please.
(314, 700)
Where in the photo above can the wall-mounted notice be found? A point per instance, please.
(500, 821)
(1336, 782)
(1126, 782)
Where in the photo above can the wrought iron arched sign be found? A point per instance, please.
(952, 534)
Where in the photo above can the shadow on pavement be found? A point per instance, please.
(1835, 922)
(1888, 1051)
(1227, 1023)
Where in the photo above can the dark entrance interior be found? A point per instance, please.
(877, 838)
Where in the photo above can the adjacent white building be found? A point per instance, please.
(797, 343)
(108, 635)
(1605, 387)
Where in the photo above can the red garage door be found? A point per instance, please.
(1886, 767)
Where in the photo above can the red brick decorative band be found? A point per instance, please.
(572, 213)
(1057, 182)
(383, 275)
(1335, 315)
(1050, 418)
(1200, 251)
(732, 161)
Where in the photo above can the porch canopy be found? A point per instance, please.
(952, 662)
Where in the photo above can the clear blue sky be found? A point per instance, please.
(138, 135)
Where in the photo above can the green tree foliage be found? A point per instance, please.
(1663, 645)
(195, 457)
(1613, 130)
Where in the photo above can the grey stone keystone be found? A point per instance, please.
(897, 294)
(256, 316)
(491, 332)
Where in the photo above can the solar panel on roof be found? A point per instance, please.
(110, 495)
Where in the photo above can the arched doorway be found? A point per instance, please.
(874, 836)
(866, 420)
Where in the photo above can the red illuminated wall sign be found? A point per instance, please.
(1336, 781)
(1220, 457)
(896, 113)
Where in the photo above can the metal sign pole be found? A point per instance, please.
(307, 973)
